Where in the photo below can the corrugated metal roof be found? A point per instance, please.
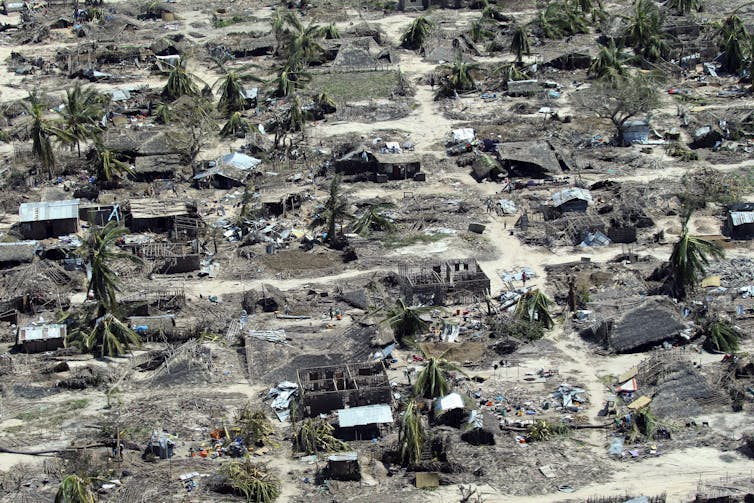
(48, 210)
(367, 414)
(566, 195)
(741, 217)
(345, 456)
(41, 332)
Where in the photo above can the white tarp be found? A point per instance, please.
(462, 134)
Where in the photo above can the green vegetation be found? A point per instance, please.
(411, 436)
(43, 131)
(81, 114)
(357, 87)
(406, 320)
(315, 435)
(542, 430)
(252, 481)
(180, 82)
(374, 218)
(534, 306)
(689, 260)
(417, 33)
(75, 489)
(561, 19)
(520, 43)
(432, 381)
(645, 32)
(721, 336)
(236, 126)
(609, 64)
(683, 7)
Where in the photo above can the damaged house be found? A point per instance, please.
(325, 389)
(438, 283)
(531, 159)
(37, 338)
(570, 200)
(48, 219)
(631, 329)
(17, 253)
(379, 166)
(152, 215)
(739, 222)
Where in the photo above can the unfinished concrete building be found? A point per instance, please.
(449, 281)
(325, 389)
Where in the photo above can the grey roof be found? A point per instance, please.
(741, 217)
(570, 194)
(367, 414)
(119, 94)
(539, 152)
(344, 456)
(41, 332)
(239, 160)
(48, 210)
(18, 251)
(250, 93)
(396, 158)
(651, 323)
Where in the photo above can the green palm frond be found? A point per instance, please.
(406, 320)
(411, 435)
(74, 489)
(689, 260)
(722, 336)
(534, 306)
(520, 43)
(417, 33)
(374, 217)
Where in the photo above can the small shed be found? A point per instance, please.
(635, 131)
(344, 466)
(48, 219)
(357, 423)
(17, 252)
(221, 177)
(37, 338)
(572, 199)
(156, 167)
(740, 221)
(397, 166)
(239, 161)
(523, 87)
(155, 216)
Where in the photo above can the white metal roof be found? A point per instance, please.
(569, 194)
(367, 414)
(48, 210)
(41, 332)
(741, 217)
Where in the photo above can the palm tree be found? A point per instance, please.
(683, 7)
(721, 336)
(608, 65)
(510, 72)
(180, 82)
(42, 132)
(460, 75)
(233, 94)
(417, 33)
(108, 164)
(325, 103)
(289, 80)
(235, 126)
(411, 436)
(330, 31)
(374, 218)
(520, 43)
(111, 336)
(74, 489)
(534, 306)
(479, 32)
(644, 31)
(406, 320)
(252, 481)
(561, 19)
(97, 251)
(432, 381)
(689, 260)
(163, 114)
(296, 116)
(81, 114)
(336, 208)
(301, 44)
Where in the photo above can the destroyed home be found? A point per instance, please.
(739, 223)
(154, 215)
(36, 338)
(531, 159)
(48, 219)
(17, 253)
(379, 166)
(445, 281)
(326, 389)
